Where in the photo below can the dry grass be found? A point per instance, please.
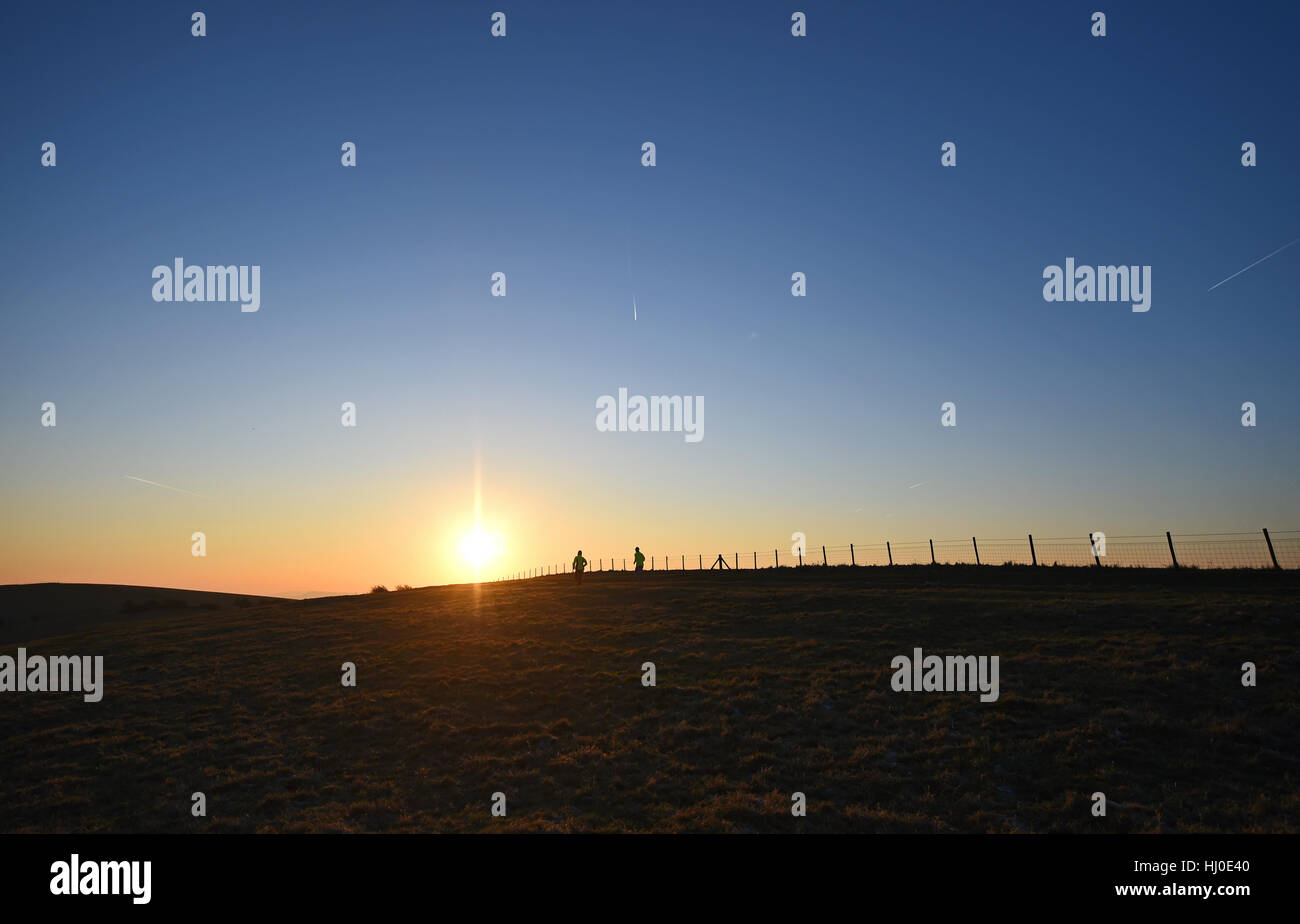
(768, 682)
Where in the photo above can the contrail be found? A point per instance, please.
(1256, 263)
(160, 485)
(917, 485)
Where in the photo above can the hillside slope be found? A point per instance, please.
(768, 683)
(32, 611)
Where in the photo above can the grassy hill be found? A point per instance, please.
(769, 682)
(34, 611)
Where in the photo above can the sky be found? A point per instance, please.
(522, 154)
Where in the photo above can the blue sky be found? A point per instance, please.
(522, 155)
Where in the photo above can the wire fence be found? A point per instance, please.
(1261, 549)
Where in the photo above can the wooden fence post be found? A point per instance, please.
(1033, 556)
(737, 554)
(776, 559)
(1092, 544)
(1171, 548)
(756, 559)
(701, 561)
(932, 561)
(889, 552)
(977, 549)
(1271, 553)
(824, 562)
(853, 559)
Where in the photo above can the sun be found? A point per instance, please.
(478, 548)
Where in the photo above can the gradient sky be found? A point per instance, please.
(522, 155)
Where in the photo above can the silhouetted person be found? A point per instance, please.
(639, 559)
(578, 564)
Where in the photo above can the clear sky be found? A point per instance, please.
(522, 155)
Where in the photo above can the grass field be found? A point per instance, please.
(769, 682)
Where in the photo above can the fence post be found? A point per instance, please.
(701, 561)
(889, 552)
(756, 559)
(932, 561)
(801, 556)
(853, 559)
(1271, 553)
(737, 554)
(776, 559)
(1171, 548)
(824, 562)
(1033, 556)
(652, 562)
(977, 549)
(1093, 545)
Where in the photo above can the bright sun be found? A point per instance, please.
(478, 548)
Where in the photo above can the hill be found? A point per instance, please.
(33, 611)
(768, 682)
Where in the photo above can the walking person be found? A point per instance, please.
(639, 559)
(579, 563)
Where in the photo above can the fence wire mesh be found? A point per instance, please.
(1200, 550)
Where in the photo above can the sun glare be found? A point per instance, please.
(478, 548)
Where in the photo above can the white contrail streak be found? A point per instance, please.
(160, 485)
(1256, 263)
